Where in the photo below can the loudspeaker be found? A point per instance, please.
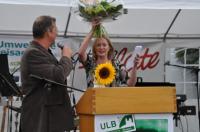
(8, 87)
(4, 64)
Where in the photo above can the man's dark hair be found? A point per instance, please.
(41, 25)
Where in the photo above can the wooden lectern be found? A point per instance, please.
(129, 100)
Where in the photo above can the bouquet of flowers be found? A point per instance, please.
(102, 10)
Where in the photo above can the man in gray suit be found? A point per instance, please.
(46, 107)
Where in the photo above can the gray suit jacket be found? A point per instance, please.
(45, 108)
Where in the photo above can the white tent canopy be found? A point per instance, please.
(18, 19)
(153, 4)
(166, 19)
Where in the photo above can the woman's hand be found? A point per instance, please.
(133, 73)
(95, 23)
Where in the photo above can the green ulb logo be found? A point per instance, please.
(127, 123)
(124, 123)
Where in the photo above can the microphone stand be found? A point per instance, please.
(51, 81)
(197, 85)
(16, 91)
(15, 70)
(74, 60)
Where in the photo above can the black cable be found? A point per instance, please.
(74, 61)
(8, 117)
(186, 120)
(11, 116)
(181, 125)
(197, 86)
(73, 96)
(16, 121)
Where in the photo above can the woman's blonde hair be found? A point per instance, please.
(111, 49)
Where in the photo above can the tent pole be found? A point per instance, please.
(68, 20)
(165, 35)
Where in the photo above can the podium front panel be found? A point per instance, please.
(134, 123)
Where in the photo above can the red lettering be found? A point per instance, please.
(121, 54)
(148, 60)
(154, 60)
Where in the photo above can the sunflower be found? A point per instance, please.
(105, 73)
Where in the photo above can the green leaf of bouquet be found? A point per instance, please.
(119, 7)
(114, 9)
(88, 10)
(99, 9)
(81, 9)
(105, 4)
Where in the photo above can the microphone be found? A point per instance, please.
(60, 45)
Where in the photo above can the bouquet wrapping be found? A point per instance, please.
(103, 10)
